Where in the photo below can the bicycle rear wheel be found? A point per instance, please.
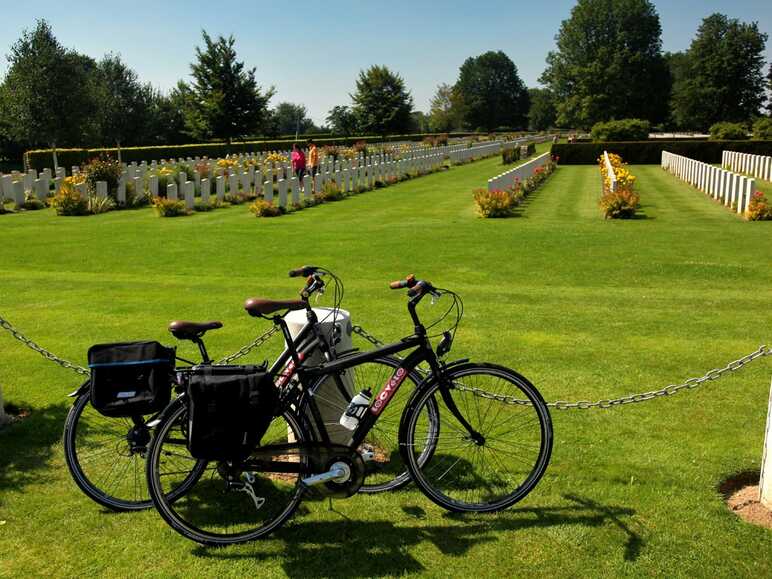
(106, 457)
(492, 472)
(227, 504)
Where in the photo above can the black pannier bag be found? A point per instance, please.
(229, 410)
(130, 379)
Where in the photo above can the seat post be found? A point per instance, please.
(201, 348)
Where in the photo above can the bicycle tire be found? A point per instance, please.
(177, 513)
(116, 448)
(465, 490)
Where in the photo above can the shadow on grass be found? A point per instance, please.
(26, 447)
(346, 548)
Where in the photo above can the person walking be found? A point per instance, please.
(313, 158)
(298, 162)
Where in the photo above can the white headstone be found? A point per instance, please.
(18, 193)
(190, 194)
(101, 189)
(220, 188)
(205, 190)
(308, 186)
(171, 191)
(152, 183)
(282, 184)
(268, 191)
(294, 186)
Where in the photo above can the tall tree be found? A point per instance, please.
(49, 92)
(289, 118)
(608, 64)
(226, 100)
(166, 116)
(445, 110)
(124, 103)
(723, 74)
(382, 104)
(342, 120)
(542, 113)
(492, 93)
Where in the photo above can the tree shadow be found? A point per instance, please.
(26, 447)
(346, 548)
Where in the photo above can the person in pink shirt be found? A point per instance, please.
(298, 162)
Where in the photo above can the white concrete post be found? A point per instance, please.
(220, 188)
(268, 191)
(171, 191)
(295, 188)
(282, 184)
(40, 190)
(205, 190)
(308, 186)
(190, 194)
(18, 193)
(765, 484)
(233, 184)
(153, 184)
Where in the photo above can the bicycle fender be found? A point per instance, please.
(81, 389)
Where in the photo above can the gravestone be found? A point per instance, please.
(121, 193)
(190, 194)
(101, 189)
(282, 184)
(220, 188)
(294, 187)
(268, 191)
(308, 186)
(171, 191)
(153, 185)
(205, 190)
(18, 193)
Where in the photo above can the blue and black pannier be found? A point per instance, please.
(130, 379)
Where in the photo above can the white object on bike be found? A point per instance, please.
(356, 409)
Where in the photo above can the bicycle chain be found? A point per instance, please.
(260, 340)
(606, 403)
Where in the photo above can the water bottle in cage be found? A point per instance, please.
(356, 409)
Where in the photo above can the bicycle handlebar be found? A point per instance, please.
(409, 281)
(304, 271)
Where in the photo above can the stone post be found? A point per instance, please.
(40, 191)
(171, 191)
(153, 184)
(205, 190)
(282, 192)
(18, 193)
(268, 191)
(220, 188)
(295, 188)
(765, 484)
(308, 186)
(233, 184)
(190, 194)
(121, 193)
(101, 189)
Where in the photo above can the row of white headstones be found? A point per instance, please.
(759, 166)
(725, 186)
(359, 171)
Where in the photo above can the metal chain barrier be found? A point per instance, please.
(612, 402)
(6, 325)
(669, 390)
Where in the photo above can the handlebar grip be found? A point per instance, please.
(304, 271)
(409, 281)
(419, 288)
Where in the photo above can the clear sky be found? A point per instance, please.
(312, 51)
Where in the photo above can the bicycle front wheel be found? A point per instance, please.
(485, 473)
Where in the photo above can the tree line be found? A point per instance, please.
(608, 64)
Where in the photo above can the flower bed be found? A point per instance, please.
(502, 202)
(619, 200)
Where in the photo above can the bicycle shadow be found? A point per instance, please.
(346, 548)
(27, 446)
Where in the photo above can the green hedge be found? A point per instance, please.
(650, 152)
(41, 158)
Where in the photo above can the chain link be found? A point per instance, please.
(259, 341)
(5, 324)
(606, 403)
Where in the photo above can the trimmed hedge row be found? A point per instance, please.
(39, 159)
(650, 152)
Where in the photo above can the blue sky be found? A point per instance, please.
(312, 51)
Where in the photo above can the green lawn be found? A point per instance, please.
(585, 308)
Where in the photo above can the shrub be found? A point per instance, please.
(621, 204)
(103, 168)
(509, 156)
(97, 205)
(758, 208)
(728, 132)
(201, 206)
(762, 129)
(495, 203)
(32, 203)
(68, 200)
(621, 130)
(3, 208)
(235, 198)
(169, 207)
(331, 192)
(262, 208)
(650, 152)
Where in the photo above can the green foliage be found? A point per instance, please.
(48, 95)
(32, 203)
(169, 207)
(342, 120)
(494, 203)
(97, 205)
(235, 198)
(621, 130)
(762, 129)
(721, 76)
(199, 206)
(728, 132)
(288, 118)
(621, 204)
(509, 156)
(68, 201)
(103, 169)
(542, 113)
(650, 152)
(382, 104)
(330, 192)
(224, 98)
(262, 208)
(445, 111)
(608, 64)
(491, 92)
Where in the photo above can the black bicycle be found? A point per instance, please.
(106, 455)
(474, 437)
